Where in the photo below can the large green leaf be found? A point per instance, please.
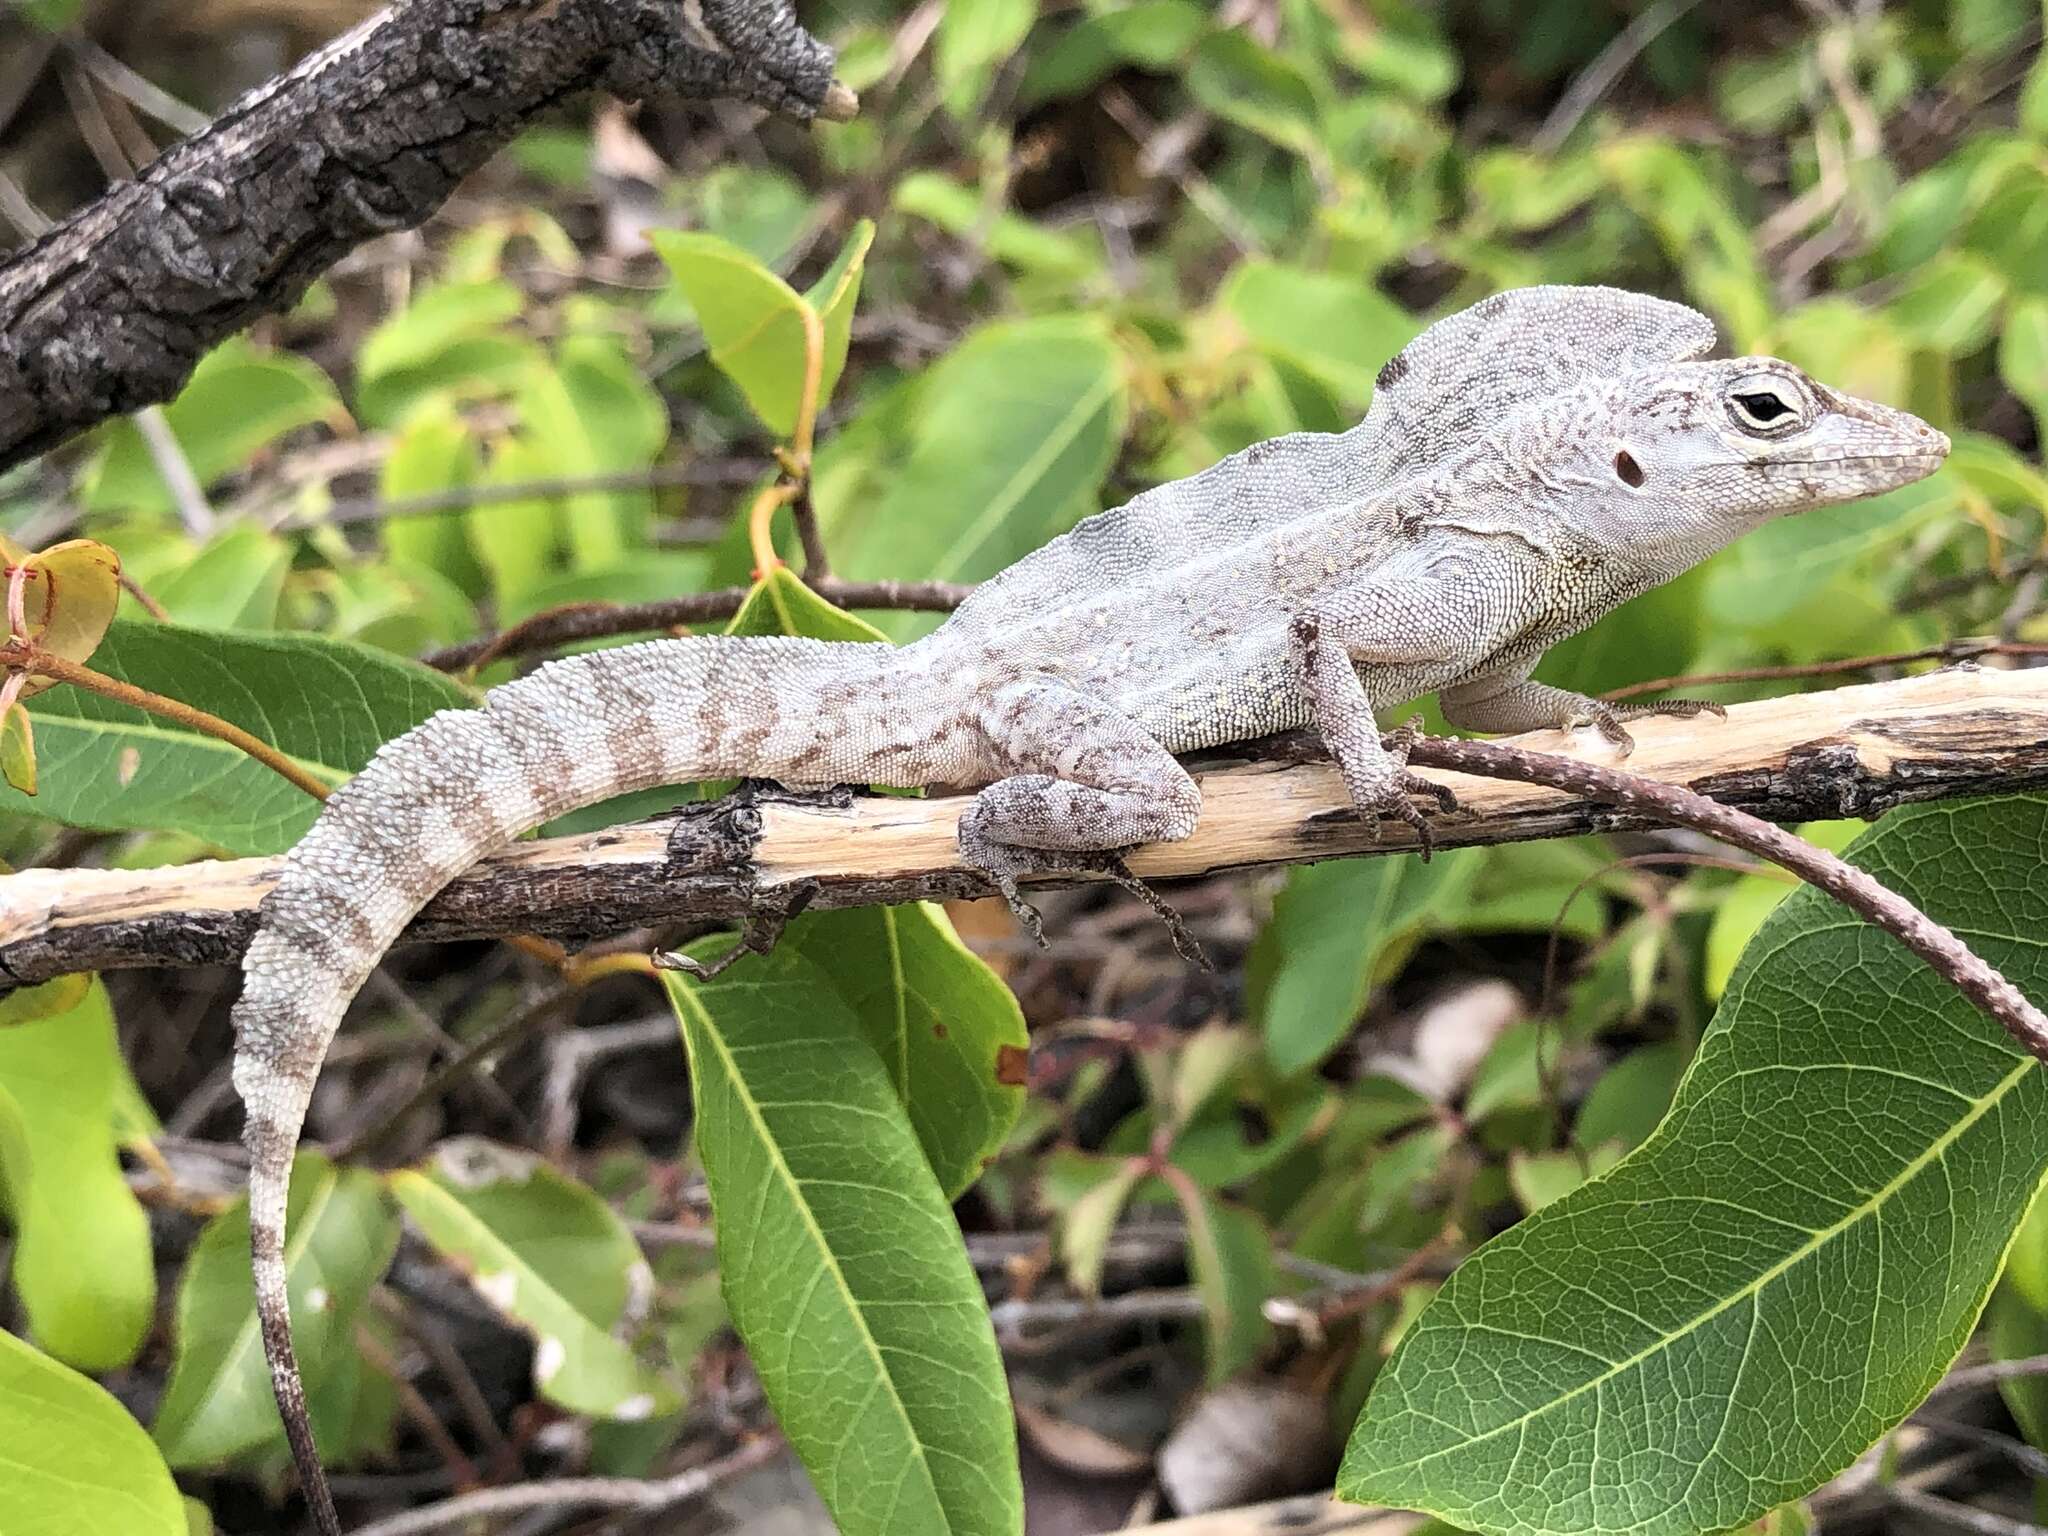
(327, 703)
(1336, 928)
(1779, 1274)
(940, 1020)
(340, 1235)
(82, 1262)
(71, 1459)
(233, 583)
(1015, 430)
(842, 1266)
(553, 1258)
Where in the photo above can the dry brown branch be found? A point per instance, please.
(1847, 752)
(109, 311)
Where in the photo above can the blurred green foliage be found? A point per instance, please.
(1062, 256)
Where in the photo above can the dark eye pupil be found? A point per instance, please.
(1763, 407)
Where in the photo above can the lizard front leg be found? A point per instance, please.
(1082, 780)
(1510, 702)
(1327, 646)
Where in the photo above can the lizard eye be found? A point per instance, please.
(1763, 410)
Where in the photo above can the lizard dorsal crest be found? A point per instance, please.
(1456, 381)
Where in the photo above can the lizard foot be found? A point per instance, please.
(1004, 863)
(1395, 794)
(1606, 718)
(760, 932)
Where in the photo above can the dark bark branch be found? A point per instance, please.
(109, 311)
(1848, 752)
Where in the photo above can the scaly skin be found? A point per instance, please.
(1527, 466)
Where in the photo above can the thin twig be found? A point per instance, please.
(1948, 651)
(138, 90)
(597, 1492)
(1608, 66)
(458, 1067)
(1950, 957)
(41, 663)
(1960, 1517)
(1971, 1377)
(168, 454)
(598, 621)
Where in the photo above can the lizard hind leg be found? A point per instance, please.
(1082, 784)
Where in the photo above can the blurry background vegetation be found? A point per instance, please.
(1111, 244)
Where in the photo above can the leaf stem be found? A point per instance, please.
(1950, 957)
(33, 660)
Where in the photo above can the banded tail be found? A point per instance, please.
(469, 781)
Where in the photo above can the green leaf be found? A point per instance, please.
(842, 1266)
(329, 704)
(72, 1459)
(1151, 34)
(1786, 1267)
(82, 1264)
(1631, 1097)
(940, 1020)
(1336, 928)
(340, 1235)
(1950, 306)
(753, 320)
(2023, 356)
(1232, 1258)
(780, 604)
(591, 414)
(1015, 241)
(238, 401)
(1336, 329)
(437, 319)
(551, 1257)
(975, 36)
(1543, 1178)
(433, 452)
(1016, 429)
(1090, 1218)
(233, 583)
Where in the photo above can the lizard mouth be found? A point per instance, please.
(1863, 460)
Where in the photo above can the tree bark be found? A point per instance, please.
(110, 310)
(1847, 752)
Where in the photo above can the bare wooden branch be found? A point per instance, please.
(1847, 752)
(109, 311)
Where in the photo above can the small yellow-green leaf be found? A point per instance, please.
(1232, 1258)
(82, 1264)
(69, 595)
(233, 583)
(551, 1257)
(18, 753)
(71, 1459)
(780, 604)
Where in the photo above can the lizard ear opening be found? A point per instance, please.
(1628, 470)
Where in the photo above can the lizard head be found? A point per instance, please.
(1719, 447)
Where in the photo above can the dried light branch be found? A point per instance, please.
(110, 310)
(1846, 752)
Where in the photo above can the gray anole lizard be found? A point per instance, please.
(1526, 466)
